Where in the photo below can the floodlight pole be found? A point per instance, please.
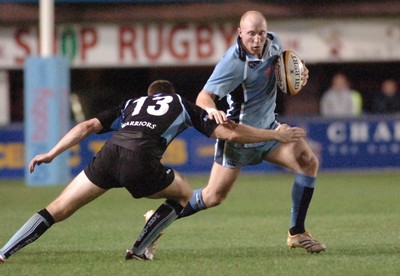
(46, 28)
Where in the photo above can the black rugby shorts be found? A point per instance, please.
(116, 167)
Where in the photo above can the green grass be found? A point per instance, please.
(355, 214)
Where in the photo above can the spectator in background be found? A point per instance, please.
(357, 101)
(340, 100)
(387, 100)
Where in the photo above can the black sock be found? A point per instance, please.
(47, 216)
(195, 204)
(187, 211)
(305, 202)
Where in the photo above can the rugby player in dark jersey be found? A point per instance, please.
(131, 159)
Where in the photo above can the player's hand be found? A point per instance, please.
(289, 134)
(217, 115)
(305, 74)
(231, 124)
(39, 159)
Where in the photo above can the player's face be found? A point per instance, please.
(253, 31)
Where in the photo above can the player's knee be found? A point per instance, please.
(309, 162)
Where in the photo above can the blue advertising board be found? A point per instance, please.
(360, 143)
(12, 157)
(363, 143)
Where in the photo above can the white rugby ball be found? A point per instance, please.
(289, 73)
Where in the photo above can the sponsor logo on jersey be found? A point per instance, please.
(254, 64)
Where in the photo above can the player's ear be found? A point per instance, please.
(239, 31)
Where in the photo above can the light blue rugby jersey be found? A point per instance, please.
(255, 105)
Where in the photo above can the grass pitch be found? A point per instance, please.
(355, 214)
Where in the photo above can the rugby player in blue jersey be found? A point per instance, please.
(130, 158)
(250, 64)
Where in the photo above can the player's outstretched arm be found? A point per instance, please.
(73, 137)
(247, 134)
(205, 100)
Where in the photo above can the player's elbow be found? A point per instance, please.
(92, 126)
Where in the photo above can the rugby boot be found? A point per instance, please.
(305, 240)
(146, 256)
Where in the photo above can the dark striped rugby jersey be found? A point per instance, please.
(152, 122)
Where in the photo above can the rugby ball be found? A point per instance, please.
(289, 73)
